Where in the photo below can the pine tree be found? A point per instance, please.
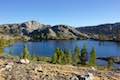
(76, 56)
(54, 59)
(83, 55)
(26, 54)
(58, 56)
(92, 60)
(67, 57)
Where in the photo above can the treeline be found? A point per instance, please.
(77, 57)
(66, 57)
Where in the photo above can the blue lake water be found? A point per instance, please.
(47, 48)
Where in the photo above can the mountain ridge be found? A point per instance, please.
(109, 31)
(36, 30)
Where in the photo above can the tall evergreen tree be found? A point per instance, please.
(67, 57)
(76, 56)
(84, 55)
(26, 54)
(92, 60)
(54, 58)
(58, 56)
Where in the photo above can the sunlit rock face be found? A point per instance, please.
(32, 25)
(58, 32)
(35, 30)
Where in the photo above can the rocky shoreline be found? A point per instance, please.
(11, 70)
(116, 59)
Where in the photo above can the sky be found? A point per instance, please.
(70, 12)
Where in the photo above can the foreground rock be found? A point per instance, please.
(24, 61)
(46, 71)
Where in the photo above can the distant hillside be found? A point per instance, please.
(108, 31)
(37, 31)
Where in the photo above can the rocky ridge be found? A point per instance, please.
(37, 31)
(58, 32)
(109, 31)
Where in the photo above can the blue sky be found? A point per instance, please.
(70, 12)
